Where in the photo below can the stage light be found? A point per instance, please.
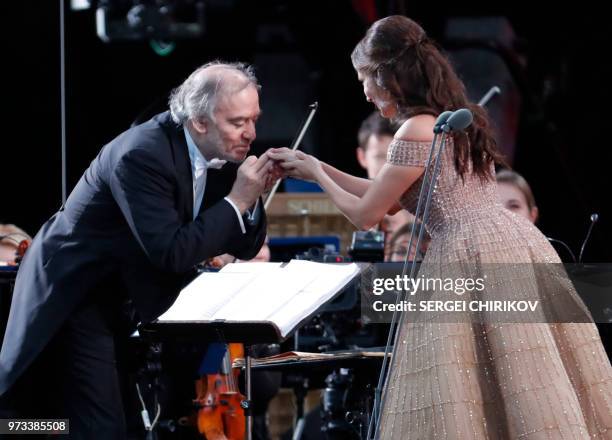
(162, 21)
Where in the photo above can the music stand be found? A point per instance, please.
(245, 332)
(248, 334)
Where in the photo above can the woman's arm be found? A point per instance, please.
(351, 184)
(364, 211)
(354, 185)
(371, 203)
(382, 195)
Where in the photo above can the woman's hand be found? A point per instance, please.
(297, 164)
(275, 173)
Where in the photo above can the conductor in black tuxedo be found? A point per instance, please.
(159, 199)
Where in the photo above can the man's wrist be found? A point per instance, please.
(241, 205)
(239, 214)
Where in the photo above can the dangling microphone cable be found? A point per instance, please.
(594, 218)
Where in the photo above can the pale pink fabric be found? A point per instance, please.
(491, 381)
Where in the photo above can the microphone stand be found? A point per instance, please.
(446, 122)
(594, 218)
(425, 195)
(565, 246)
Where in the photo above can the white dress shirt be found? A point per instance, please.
(199, 167)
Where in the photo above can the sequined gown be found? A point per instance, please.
(496, 381)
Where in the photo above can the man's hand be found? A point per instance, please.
(276, 172)
(297, 163)
(251, 181)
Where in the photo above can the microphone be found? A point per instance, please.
(458, 121)
(594, 219)
(441, 121)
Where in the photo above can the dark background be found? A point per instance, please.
(301, 52)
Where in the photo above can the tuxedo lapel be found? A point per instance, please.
(218, 184)
(183, 169)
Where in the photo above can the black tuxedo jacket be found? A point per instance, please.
(127, 230)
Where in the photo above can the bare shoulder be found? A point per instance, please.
(417, 128)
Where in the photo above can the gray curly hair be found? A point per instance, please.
(199, 93)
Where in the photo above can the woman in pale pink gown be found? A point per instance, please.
(479, 379)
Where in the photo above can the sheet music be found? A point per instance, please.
(261, 292)
(201, 299)
(264, 295)
(327, 280)
(301, 356)
(250, 267)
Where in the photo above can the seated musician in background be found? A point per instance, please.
(399, 241)
(515, 194)
(374, 137)
(10, 238)
(153, 204)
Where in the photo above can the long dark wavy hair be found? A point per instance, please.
(402, 60)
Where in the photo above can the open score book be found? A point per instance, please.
(281, 295)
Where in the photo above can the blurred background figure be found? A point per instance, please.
(399, 241)
(374, 137)
(10, 238)
(515, 194)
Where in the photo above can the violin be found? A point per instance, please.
(220, 414)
